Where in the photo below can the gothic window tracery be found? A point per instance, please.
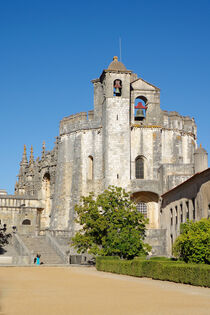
(139, 164)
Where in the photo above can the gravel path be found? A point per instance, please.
(85, 291)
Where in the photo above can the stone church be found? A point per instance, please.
(127, 140)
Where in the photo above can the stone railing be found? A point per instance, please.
(54, 244)
(15, 201)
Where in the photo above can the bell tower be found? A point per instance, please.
(116, 124)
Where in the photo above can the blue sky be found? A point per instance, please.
(51, 50)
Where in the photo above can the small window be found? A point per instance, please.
(172, 240)
(90, 167)
(142, 208)
(187, 210)
(26, 222)
(176, 217)
(117, 87)
(193, 202)
(139, 168)
(171, 212)
(181, 213)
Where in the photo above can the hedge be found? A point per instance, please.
(107, 257)
(194, 274)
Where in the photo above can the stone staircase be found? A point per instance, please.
(8, 250)
(7, 253)
(39, 245)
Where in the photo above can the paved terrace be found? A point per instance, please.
(84, 291)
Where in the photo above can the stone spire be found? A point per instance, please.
(43, 150)
(24, 157)
(31, 161)
(23, 167)
(200, 159)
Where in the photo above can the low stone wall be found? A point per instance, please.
(24, 255)
(157, 239)
(54, 244)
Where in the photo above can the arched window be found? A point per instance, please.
(142, 207)
(171, 212)
(90, 167)
(117, 87)
(46, 187)
(26, 222)
(140, 107)
(46, 197)
(139, 168)
(181, 213)
(176, 215)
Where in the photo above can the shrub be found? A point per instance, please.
(193, 244)
(4, 236)
(141, 258)
(163, 270)
(160, 258)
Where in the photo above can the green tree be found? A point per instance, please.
(4, 237)
(110, 225)
(193, 244)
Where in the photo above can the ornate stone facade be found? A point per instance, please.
(127, 141)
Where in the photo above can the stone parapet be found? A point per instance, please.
(174, 120)
(75, 124)
(3, 192)
(146, 185)
(173, 174)
(18, 201)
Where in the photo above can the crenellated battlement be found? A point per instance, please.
(79, 121)
(82, 116)
(174, 120)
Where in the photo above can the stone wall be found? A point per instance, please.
(72, 174)
(189, 200)
(157, 238)
(15, 210)
(113, 140)
(99, 148)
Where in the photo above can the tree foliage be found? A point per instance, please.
(193, 244)
(4, 236)
(110, 225)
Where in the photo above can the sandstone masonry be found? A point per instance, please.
(127, 141)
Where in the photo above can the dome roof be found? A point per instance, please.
(116, 65)
(200, 150)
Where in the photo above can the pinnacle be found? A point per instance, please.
(31, 161)
(24, 157)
